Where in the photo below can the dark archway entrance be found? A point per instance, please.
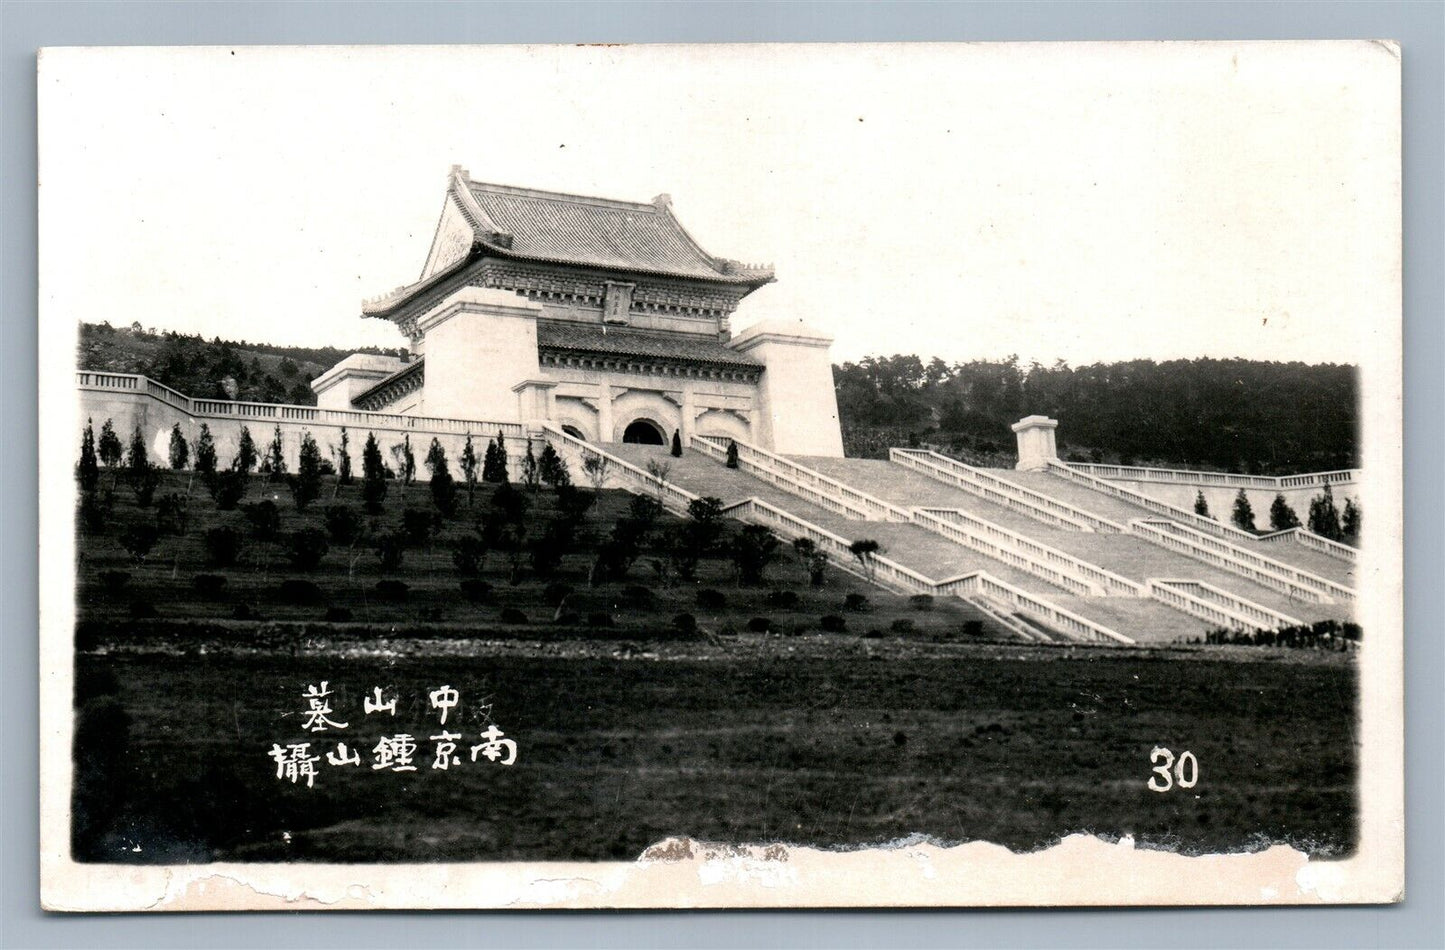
(643, 432)
(574, 432)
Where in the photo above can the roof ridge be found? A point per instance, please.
(563, 196)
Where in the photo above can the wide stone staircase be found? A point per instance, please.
(1044, 556)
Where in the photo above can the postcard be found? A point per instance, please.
(721, 476)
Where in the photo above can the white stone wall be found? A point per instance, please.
(1221, 498)
(797, 411)
(480, 345)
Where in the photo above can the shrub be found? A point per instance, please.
(228, 488)
(443, 487)
(709, 599)
(782, 599)
(1243, 513)
(856, 603)
(554, 594)
(684, 624)
(308, 546)
(551, 469)
(138, 541)
(246, 455)
(142, 610)
(469, 555)
(573, 503)
(223, 546)
(390, 549)
(813, 558)
(417, 525)
(114, 581)
(1324, 517)
(513, 615)
(337, 615)
(109, 447)
(306, 486)
(343, 524)
(753, 549)
(95, 511)
(180, 452)
(600, 619)
(87, 471)
(209, 585)
(172, 515)
(392, 590)
(373, 475)
(494, 461)
(476, 591)
(1281, 516)
(832, 623)
(144, 480)
(635, 595)
(305, 593)
(549, 547)
(760, 625)
(973, 628)
(265, 519)
(921, 601)
(243, 612)
(902, 625)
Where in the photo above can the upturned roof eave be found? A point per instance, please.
(387, 305)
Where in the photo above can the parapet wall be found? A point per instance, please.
(129, 401)
(1179, 487)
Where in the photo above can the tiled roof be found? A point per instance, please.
(598, 232)
(595, 338)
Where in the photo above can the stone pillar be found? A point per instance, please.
(604, 412)
(689, 416)
(797, 407)
(1036, 443)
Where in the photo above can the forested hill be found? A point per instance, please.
(1235, 415)
(1238, 415)
(210, 369)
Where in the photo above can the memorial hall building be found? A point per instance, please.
(600, 316)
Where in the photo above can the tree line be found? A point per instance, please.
(1240, 415)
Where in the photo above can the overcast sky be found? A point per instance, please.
(1077, 202)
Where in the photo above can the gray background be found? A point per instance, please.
(1420, 27)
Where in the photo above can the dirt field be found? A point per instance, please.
(833, 742)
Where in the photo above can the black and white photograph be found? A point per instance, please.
(720, 476)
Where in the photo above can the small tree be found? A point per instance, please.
(1243, 514)
(275, 461)
(698, 537)
(390, 548)
(676, 444)
(1325, 517)
(814, 560)
(732, 460)
(246, 455)
(87, 471)
(753, 549)
(138, 541)
(1350, 521)
(865, 550)
(306, 548)
(373, 475)
(110, 447)
(180, 451)
(405, 460)
(468, 462)
(306, 486)
(137, 458)
(659, 472)
(494, 466)
(531, 471)
(1201, 506)
(595, 467)
(205, 454)
(343, 459)
(1281, 515)
(551, 469)
(443, 489)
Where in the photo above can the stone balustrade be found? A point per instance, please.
(1218, 606)
(800, 480)
(1153, 504)
(1002, 492)
(1267, 571)
(1222, 479)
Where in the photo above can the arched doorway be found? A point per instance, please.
(574, 432)
(643, 432)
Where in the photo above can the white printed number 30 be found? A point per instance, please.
(1185, 771)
